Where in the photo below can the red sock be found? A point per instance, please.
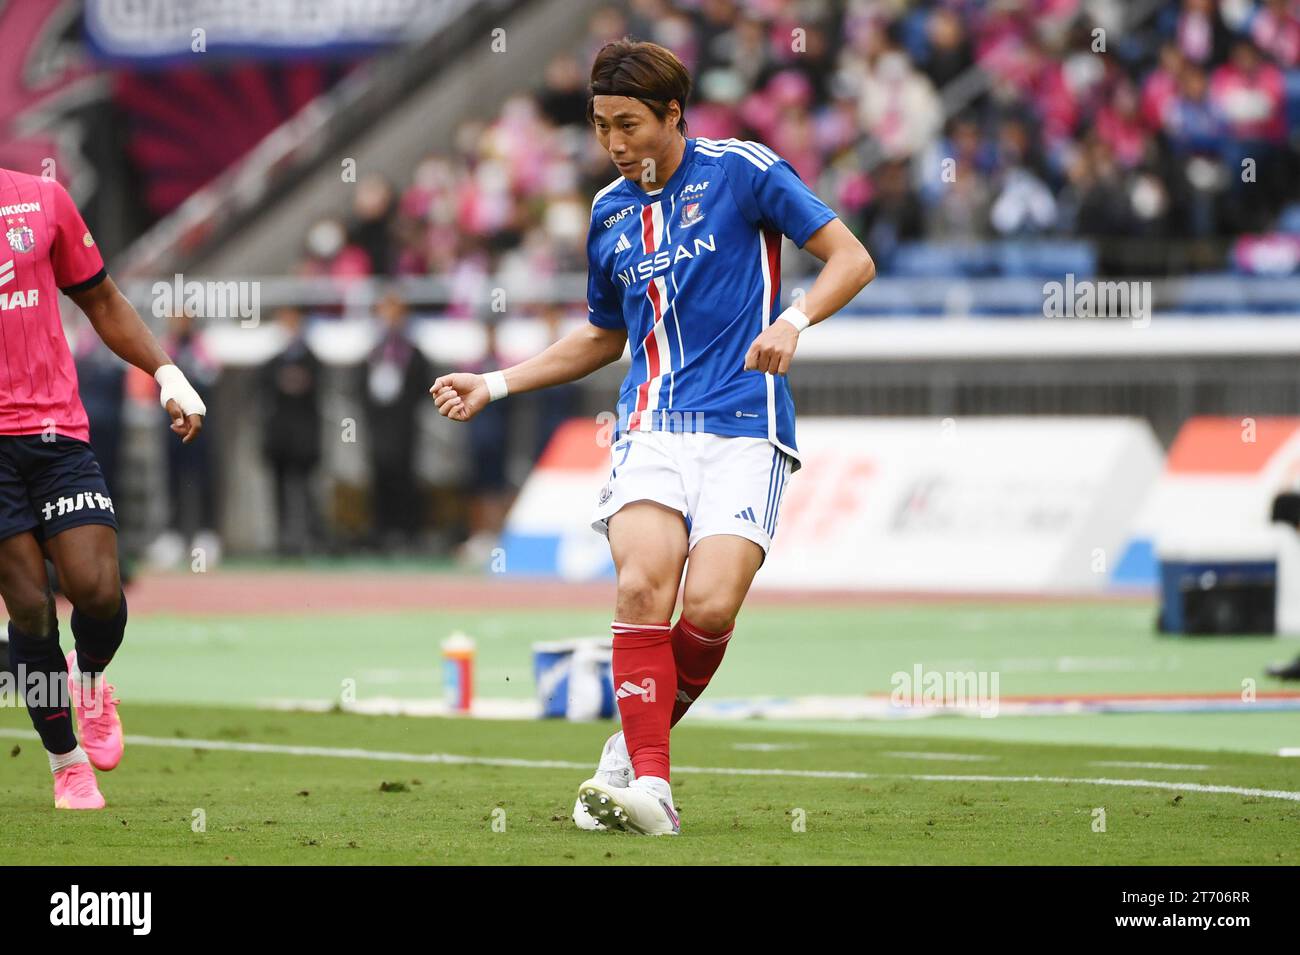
(645, 686)
(698, 654)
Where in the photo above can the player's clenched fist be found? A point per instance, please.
(773, 350)
(460, 396)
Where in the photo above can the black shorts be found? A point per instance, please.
(50, 486)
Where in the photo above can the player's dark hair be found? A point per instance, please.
(644, 71)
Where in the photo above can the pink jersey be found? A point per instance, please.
(47, 249)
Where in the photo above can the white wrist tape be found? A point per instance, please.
(174, 387)
(795, 317)
(496, 385)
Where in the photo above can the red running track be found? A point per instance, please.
(328, 591)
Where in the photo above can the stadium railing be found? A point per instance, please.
(1216, 295)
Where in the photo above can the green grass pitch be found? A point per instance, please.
(344, 788)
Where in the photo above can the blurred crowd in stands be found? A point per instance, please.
(396, 510)
(955, 137)
(948, 121)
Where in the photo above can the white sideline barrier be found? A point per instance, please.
(1029, 505)
(1025, 505)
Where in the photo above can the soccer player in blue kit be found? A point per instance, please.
(684, 264)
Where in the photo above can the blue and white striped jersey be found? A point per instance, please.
(693, 272)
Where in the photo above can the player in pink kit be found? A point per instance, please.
(53, 499)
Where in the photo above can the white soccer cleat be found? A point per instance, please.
(633, 808)
(614, 769)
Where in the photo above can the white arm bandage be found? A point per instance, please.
(496, 385)
(174, 387)
(795, 317)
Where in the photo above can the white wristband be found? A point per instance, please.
(795, 317)
(173, 386)
(496, 385)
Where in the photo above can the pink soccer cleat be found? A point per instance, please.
(76, 788)
(99, 726)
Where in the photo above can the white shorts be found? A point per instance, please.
(721, 485)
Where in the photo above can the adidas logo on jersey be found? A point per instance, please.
(748, 515)
(622, 245)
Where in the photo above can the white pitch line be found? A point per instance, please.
(1131, 765)
(456, 760)
(1289, 751)
(1133, 783)
(946, 757)
(331, 752)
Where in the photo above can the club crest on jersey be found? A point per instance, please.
(691, 214)
(21, 238)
